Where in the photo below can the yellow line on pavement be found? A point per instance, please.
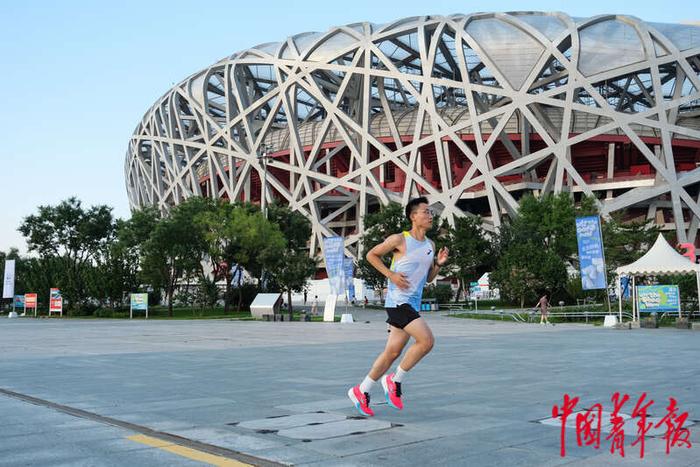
(187, 452)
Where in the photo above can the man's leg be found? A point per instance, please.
(424, 341)
(359, 395)
(394, 346)
(419, 330)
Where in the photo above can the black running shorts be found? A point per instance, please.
(401, 315)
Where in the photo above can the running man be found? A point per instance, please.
(413, 264)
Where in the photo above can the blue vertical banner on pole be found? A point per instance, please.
(349, 283)
(625, 285)
(590, 253)
(334, 255)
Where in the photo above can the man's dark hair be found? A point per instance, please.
(413, 204)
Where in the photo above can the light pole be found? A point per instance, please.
(262, 157)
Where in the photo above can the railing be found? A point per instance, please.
(528, 315)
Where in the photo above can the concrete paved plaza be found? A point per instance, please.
(100, 392)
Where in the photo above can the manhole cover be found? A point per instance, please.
(335, 429)
(291, 421)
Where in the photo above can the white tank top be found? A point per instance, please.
(415, 264)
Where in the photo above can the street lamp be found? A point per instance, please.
(262, 157)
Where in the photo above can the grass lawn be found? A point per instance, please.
(161, 312)
(179, 313)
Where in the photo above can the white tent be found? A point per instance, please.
(661, 258)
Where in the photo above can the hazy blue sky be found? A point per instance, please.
(77, 76)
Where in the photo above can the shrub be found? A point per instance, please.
(441, 292)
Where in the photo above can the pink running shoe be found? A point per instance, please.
(392, 391)
(361, 401)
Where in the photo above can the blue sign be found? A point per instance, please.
(625, 283)
(590, 253)
(139, 301)
(334, 254)
(18, 301)
(658, 298)
(350, 284)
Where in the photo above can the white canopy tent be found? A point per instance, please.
(661, 258)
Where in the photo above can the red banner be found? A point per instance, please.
(30, 300)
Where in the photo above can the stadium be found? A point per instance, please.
(472, 111)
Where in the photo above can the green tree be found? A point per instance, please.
(470, 251)
(441, 292)
(114, 274)
(536, 248)
(134, 232)
(175, 248)
(13, 253)
(551, 220)
(116, 266)
(295, 227)
(525, 270)
(207, 292)
(626, 242)
(71, 237)
(124, 256)
(38, 275)
(295, 267)
(236, 234)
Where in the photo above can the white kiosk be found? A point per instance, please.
(266, 304)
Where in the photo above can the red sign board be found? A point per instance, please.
(30, 300)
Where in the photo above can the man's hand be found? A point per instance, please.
(400, 280)
(443, 256)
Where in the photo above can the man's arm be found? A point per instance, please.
(434, 271)
(440, 260)
(374, 256)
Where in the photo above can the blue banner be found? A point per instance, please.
(590, 253)
(625, 283)
(236, 275)
(334, 255)
(350, 284)
(658, 298)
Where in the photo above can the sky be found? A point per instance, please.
(76, 77)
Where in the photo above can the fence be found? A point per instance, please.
(528, 315)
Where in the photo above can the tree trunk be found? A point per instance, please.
(522, 301)
(289, 299)
(170, 294)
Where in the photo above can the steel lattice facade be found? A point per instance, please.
(471, 111)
